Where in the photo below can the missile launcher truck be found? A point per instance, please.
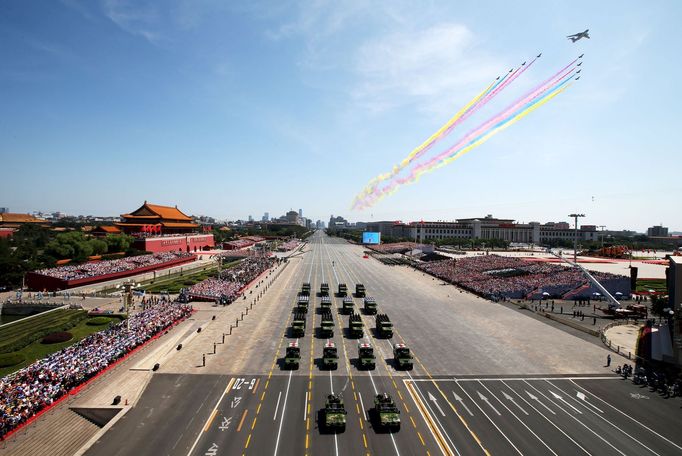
(384, 327)
(355, 325)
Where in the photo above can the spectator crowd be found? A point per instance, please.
(231, 281)
(98, 268)
(28, 391)
(495, 277)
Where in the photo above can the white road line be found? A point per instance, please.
(461, 402)
(489, 419)
(519, 419)
(547, 419)
(279, 396)
(628, 416)
(500, 379)
(609, 422)
(284, 406)
(577, 420)
(305, 406)
(201, 431)
(487, 401)
(364, 410)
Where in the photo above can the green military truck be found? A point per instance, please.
(360, 290)
(384, 327)
(326, 303)
(324, 289)
(385, 413)
(327, 324)
(292, 356)
(366, 358)
(298, 325)
(402, 357)
(347, 305)
(343, 290)
(355, 325)
(302, 301)
(330, 356)
(370, 305)
(305, 288)
(334, 414)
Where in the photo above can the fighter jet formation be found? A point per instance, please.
(577, 36)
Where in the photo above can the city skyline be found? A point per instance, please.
(220, 108)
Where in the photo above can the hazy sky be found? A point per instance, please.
(236, 110)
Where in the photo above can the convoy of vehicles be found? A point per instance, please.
(384, 327)
(292, 356)
(402, 357)
(385, 413)
(370, 305)
(334, 414)
(366, 357)
(347, 305)
(330, 356)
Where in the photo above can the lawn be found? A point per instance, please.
(36, 350)
(658, 285)
(174, 284)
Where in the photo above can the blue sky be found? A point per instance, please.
(236, 108)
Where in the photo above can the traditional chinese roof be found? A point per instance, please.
(156, 211)
(9, 217)
(108, 229)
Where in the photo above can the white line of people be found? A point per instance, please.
(31, 389)
(493, 276)
(231, 281)
(98, 268)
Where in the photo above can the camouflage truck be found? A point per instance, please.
(402, 357)
(327, 324)
(292, 356)
(347, 306)
(366, 358)
(326, 303)
(385, 414)
(305, 288)
(334, 414)
(298, 325)
(324, 289)
(330, 356)
(384, 327)
(370, 305)
(360, 290)
(355, 325)
(343, 289)
(302, 301)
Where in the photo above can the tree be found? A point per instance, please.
(118, 242)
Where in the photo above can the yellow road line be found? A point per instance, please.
(258, 409)
(210, 420)
(239, 428)
(364, 440)
(255, 387)
(254, 422)
(247, 441)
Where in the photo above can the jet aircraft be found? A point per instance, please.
(575, 37)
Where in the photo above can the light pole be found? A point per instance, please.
(602, 235)
(128, 298)
(575, 237)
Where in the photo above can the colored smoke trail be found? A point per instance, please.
(516, 111)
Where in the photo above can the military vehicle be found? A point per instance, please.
(324, 289)
(305, 288)
(359, 290)
(402, 357)
(385, 414)
(370, 305)
(343, 289)
(348, 305)
(292, 356)
(330, 357)
(334, 414)
(327, 324)
(355, 325)
(302, 301)
(384, 327)
(326, 302)
(298, 325)
(366, 357)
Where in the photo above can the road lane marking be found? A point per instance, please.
(461, 402)
(485, 399)
(284, 406)
(241, 422)
(196, 441)
(210, 420)
(256, 386)
(305, 406)
(628, 416)
(364, 410)
(274, 417)
(429, 420)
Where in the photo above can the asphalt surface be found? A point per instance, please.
(478, 385)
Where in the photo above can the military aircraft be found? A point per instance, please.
(579, 64)
(577, 78)
(578, 36)
(581, 56)
(539, 55)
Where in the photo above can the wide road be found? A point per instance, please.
(486, 380)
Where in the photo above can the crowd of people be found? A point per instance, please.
(231, 281)
(28, 391)
(494, 277)
(98, 268)
(395, 247)
(288, 245)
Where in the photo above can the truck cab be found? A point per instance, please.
(348, 305)
(385, 414)
(330, 356)
(292, 356)
(366, 357)
(370, 305)
(334, 419)
(402, 357)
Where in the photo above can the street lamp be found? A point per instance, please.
(128, 298)
(575, 237)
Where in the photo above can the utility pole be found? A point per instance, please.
(602, 235)
(575, 237)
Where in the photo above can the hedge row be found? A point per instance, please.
(21, 334)
(11, 359)
(98, 321)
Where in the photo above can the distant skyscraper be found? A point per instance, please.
(4, 210)
(250, 218)
(266, 217)
(300, 212)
